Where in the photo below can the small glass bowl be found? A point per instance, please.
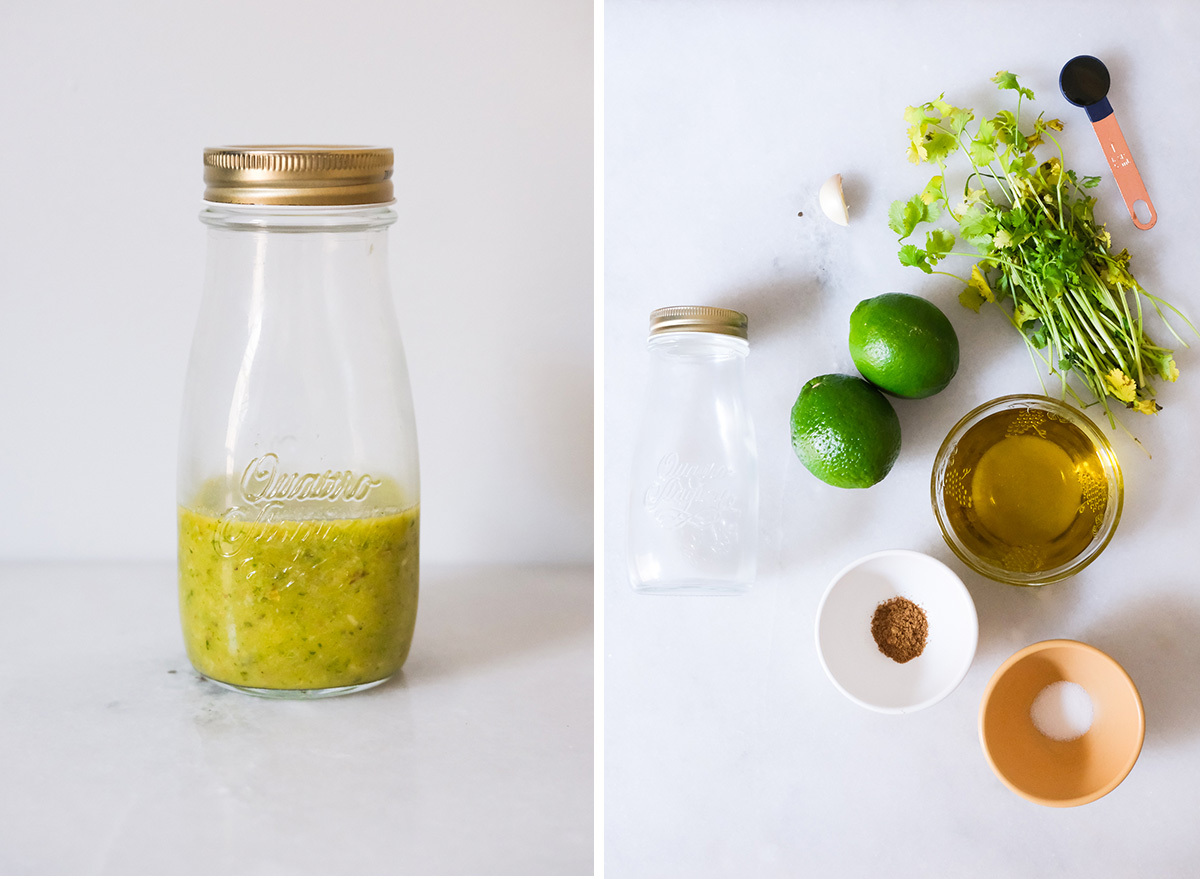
(944, 467)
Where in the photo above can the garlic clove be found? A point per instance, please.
(833, 202)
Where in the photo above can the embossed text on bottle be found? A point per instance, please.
(695, 499)
(265, 487)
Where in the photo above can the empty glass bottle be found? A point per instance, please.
(298, 480)
(693, 514)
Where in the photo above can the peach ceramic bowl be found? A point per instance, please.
(1045, 770)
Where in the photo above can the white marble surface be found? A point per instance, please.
(117, 758)
(727, 751)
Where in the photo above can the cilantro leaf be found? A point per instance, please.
(904, 216)
(1006, 80)
(971, 299)
(982, 153)
(929, 140)
(896, 220)
(939, 143)
(955, 117)
(1005, 126)
(982, 149)
(979, 282)
(978, 228)
(1024, 313)
(934, 191)
(977, 291)
(911, 255)
(938, 243)
(1021, 163)
(1121, 386)
(1040, 338)
(1163, 364)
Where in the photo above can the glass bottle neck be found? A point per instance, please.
(310, 263)
(699, 345)
(296, 218)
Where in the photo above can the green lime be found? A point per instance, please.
(903, 345)
(844, 431)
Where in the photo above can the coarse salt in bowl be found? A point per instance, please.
(1079, 746)
(852, 658)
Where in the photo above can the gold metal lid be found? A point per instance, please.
(298, 175)
(698, 319)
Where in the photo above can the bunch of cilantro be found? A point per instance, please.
(1041, 256)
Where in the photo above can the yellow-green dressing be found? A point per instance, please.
(298, 604)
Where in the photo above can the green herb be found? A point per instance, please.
(1041, 255)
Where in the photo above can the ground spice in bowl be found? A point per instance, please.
(900, 629)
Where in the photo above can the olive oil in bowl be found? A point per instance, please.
(1027, 490)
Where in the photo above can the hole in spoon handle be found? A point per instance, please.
(1129, 181)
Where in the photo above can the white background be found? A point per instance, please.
(728, 752)
(105, 109)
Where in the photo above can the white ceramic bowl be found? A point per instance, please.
(850, 655)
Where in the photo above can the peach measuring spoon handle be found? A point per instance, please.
(1129, 181)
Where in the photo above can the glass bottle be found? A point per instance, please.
(298, 483)
(693, 515)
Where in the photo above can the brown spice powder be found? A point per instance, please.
(900, 629)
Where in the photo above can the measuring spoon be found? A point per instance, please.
(1084, 82)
